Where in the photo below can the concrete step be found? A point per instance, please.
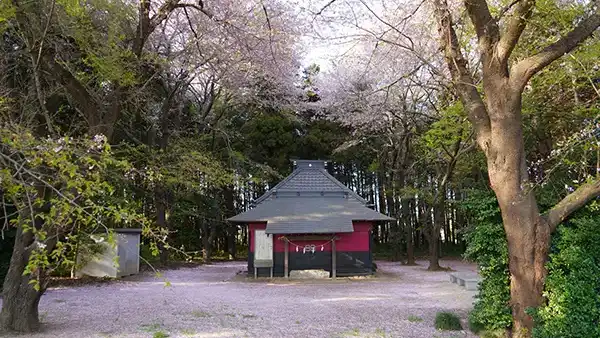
(470, 280)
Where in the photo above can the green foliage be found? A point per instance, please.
(59, 189)
(7, 12)
(571, 290)
(453, 126)
(107, 53)
(486, 245)
(447, 321)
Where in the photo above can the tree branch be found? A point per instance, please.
(572, 202)
(515, 28)
(525, 69)
(200, 8)
(169, 6)
(485, 25)
(506, 8)
(84, 100)
(392, 27)
(463, 81)
(325, 7)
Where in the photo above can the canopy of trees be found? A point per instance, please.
(173, 115)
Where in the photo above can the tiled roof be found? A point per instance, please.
(309, 179)
(298, 215)
(310, 200)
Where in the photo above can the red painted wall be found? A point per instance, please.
(351, 241)
(251, 228)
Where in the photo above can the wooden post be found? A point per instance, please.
(286, 259)
(333, 260)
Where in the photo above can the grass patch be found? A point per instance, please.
(201, 314)
(379, 332)
(160, 334)
(298, 322)
(414, 319)
(354, 332)
(188, 332)
(230, 314)
(447, 321)
(60, 301)
(249, 316)
(151, 327)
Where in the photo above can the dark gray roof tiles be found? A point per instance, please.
(308, 179)
(296, 215)
(309, 200)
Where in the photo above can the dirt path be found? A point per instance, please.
(210, 301)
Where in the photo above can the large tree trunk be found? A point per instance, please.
(527, 232)
(19, 299)
(528, 243)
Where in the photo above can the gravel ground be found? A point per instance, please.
(211, 301)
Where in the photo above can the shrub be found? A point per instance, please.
(572, 287)
(486, 245)
(447, 321)
(573, 304)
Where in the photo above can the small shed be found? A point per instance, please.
(310, 221)
(115, 260)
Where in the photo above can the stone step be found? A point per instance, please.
(470, 280)
(309, 274)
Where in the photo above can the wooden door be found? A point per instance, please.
(263, 245)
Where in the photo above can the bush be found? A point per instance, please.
(447, 321)
(573, 303)
(572, 286)
(486, 245)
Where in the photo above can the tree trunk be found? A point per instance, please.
(19, 299)
(232, 229)
(408, 230)
(434, 253)
(209, 233)
(529, 241)
(434, 233)
(528, 238)
(161, 221)
(527, 232)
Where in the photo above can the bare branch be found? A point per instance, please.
(199, 8)
(525, 69)
(571, 203)
(325, 7)
(270, 30)
(515, 28)
(394, 28)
